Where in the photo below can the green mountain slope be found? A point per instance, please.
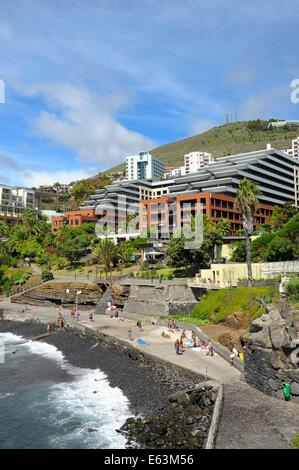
(228, 139)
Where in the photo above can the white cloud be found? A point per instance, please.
(85, 123)
(274, 102)
(201, 126)
(38, 178)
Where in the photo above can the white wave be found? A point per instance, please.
(47, 350)
(4, 395)
(90, 419)
(9, 338)
(98, 414)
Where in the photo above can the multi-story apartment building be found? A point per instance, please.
(289, 122)
(173, 172)
(143, 166)
(169, 213)
(13, 201)
(294, 150)
(73, 218)
(214, 187)
(194, 161)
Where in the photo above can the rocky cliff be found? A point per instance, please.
(55, 293)
(272, 351)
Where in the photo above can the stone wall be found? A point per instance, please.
(160, 300)
(272, 352)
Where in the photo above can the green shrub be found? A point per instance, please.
(47, 275)
(295, 442)
(60, 262)
(217, 305)
(20, 277)
(292, 290)
(259, 247)
(281, 249)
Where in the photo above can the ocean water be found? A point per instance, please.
(47, 403)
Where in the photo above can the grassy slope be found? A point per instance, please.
(228, 139)
(217, 305)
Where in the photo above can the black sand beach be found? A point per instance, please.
(146, 383)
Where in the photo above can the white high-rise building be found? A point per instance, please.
(143, 166)
(170, 172)
(294, 151)
(13, 201)
(194, 161)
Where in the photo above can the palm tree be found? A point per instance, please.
(247, 203)
(17, 237)
(4, 229)
(125, 252)
(105, 253)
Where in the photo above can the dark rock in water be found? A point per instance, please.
(179, 397)
(183, 423)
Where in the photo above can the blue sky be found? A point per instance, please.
(87, 83)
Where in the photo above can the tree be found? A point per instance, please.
(179, 256)
(17, 237)
(125, 252)
(4, 229)
(223, 227)
(281, 249)
(281, 215)
(72, 249)
(247, 203)
(31, 249)
(105, 253)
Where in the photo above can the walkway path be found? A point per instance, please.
(252, 420)
(214, 367)
(249, 420)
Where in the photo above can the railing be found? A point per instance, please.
(207, 285)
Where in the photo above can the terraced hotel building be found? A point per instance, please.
(212, 189)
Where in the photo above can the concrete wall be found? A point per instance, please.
(153, 300)
(227, 275)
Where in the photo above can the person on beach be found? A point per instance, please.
(48, 328)
(73, 311)
(91, 316)
(234, 354)
(210, 350)
(139, 325)
(177, 346)
(181, 345)
(61, 323)
(130, 334)
(193, 338)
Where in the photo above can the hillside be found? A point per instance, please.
(228, 139)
